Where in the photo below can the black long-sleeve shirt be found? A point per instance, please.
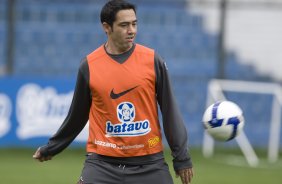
(78, 115)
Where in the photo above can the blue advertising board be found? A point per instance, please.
(31, 110)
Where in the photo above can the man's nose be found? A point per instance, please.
(131, 29)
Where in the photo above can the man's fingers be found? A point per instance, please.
(42, 159)
(191, 174)
(37, 155)
(186, 175)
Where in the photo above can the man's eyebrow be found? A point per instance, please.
(127, 22)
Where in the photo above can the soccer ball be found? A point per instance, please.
(223, 120)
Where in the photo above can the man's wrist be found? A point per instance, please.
(182, 164)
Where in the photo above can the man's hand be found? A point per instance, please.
(37, 155)
(186, 175)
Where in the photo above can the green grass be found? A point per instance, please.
(18, 167)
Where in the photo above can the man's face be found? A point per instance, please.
(124, 30)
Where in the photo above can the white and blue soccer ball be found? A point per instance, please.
(223, 120)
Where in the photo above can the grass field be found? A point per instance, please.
(18, 167)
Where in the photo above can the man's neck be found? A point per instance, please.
(111, 49)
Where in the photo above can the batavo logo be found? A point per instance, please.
(128, 127)
(153, 141)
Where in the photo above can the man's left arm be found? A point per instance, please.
(173, 124)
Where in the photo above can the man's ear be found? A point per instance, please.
(107, 28)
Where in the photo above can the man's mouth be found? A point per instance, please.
(131, 38)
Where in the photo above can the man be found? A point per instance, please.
(118, 88)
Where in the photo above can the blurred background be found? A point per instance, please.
(214, 49)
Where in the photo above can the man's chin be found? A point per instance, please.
(128, 46)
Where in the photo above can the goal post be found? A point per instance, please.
(215, 92)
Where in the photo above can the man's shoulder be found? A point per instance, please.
(96, 53)
(144, 49)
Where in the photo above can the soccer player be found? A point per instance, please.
(118, 89)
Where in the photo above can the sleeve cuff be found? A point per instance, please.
(182, 164)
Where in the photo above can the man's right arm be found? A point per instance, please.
(74, 122)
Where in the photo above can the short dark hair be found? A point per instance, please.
(110, 9)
